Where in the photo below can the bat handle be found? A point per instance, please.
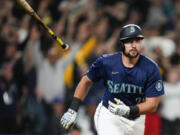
(62, 44)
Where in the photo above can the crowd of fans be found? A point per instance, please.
(38, 78)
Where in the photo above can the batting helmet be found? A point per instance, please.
(129, 31)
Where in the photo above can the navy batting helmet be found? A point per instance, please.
(130, 31)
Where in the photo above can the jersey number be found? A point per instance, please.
(139, 100)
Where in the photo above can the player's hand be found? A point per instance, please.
(68, 119)
(119, 108)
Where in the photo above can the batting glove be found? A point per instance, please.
(68, 119)
(119, 108)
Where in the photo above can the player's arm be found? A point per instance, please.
(94, 74)
(150, 105)
(153, 93)
(83, 88)
(68, 119)
(81, 91)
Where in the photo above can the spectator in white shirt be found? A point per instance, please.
(170, 110)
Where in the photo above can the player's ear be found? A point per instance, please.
(120, 45)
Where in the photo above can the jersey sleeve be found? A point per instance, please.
(154, 85)
(96, 71)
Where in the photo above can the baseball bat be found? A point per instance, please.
(31, 12)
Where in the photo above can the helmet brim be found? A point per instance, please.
(129, 37)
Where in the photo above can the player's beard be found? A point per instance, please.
(129, 54)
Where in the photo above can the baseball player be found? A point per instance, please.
(133, 88)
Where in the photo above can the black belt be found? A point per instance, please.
(130, 117)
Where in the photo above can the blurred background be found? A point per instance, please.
(38, 78)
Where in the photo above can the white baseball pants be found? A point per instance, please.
(107, 123)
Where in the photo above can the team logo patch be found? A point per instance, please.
(132, 29)
(159, 85)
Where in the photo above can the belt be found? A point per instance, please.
(130, 117)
